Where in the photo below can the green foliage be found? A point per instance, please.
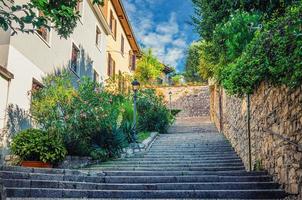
(148, 68)
(37, 145)
(176, 79)
(152, 112)
(84, 117)
(128, 114)
(210, 13)
(142, 136)
(23, 17)
(175, 112)
(274, 55)
(239, 53)
(192, 63)
(99, 154)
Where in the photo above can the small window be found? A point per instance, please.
(122, 44)
(111, 66)
(130, 59)
(79, 6)
(113, 24)
(43, 31)
(98, 37)
(133, 63)
(96, 76)
(75, 58)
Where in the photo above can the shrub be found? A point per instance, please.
(37, 145)
(98, 153)
(274, 55)
(153, 115)
(84, 117)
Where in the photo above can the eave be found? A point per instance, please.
(122, 15)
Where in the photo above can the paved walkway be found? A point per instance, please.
(194, 161)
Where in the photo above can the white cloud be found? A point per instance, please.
(164, 37)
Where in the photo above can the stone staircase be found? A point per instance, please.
(193, 162)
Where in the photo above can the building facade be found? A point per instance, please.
(26, 58)
(122, 47)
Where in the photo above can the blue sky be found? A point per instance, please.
(163, 26)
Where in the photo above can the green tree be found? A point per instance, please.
(209, 13)
(24, 18)
(149, 68)
(192, 63)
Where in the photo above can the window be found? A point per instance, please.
(75, 58)
(79, 6)
(132, 61)
(98, 37)
(96, 77)
(43, 31)
(122, 44)
(111, 66)
(112, 24)
(36, 86)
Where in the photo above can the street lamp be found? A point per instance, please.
(170, 94)
(135, 87)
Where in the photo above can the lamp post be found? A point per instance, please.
(135, 87)
(170, 95)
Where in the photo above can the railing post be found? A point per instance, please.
(249, 130)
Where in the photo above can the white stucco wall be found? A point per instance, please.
(57, 52)
(24, 71)
(3, 100)
(28, 57)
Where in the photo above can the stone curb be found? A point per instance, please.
(140, 147)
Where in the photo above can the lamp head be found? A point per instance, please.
(135, 85)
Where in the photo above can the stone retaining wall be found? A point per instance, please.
(276, 112)
(193, 101)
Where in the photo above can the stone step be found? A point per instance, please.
(168, 168)
(182, 157)
(134, 179)
(21, 183)
(205, 157)
(148, 162)
(184, 153)
(167, 165)
(145, 194)
(42, 170)
(183, 173)
(193, 152)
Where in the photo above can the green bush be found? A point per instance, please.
(274, 55)
(37, 145)
(84, 117)
(99, 154)
(153, 115)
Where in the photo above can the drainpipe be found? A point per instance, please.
(220, 111)
(249, 130)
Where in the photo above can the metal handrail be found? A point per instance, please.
(285, 139)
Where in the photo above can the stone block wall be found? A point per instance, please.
(276, 128)
(193, 101)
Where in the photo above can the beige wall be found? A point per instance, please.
(114, 44)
